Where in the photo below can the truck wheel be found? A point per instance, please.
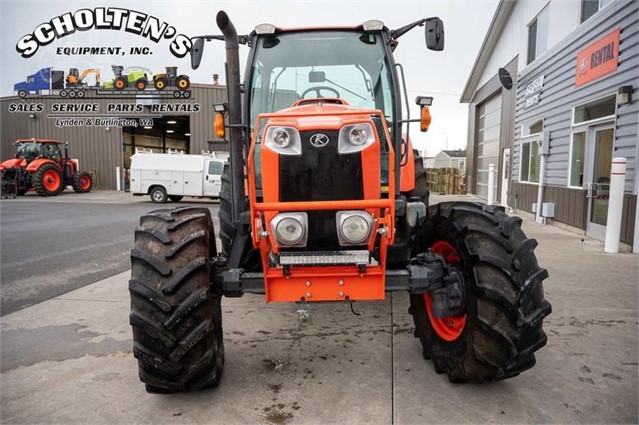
(160, 83)
(175, 198)
(141, 84)
(182, 82)
(158, 195)
(82, 182)
(47, 181)
(176, 317)
(500, 327)
(22, 94)
(81, 94)
(120, 83)
(72, 93)
(251, 257)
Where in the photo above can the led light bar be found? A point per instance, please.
(325, 258)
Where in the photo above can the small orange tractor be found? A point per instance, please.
(39, 165)
(324, 199)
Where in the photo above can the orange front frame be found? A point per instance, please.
(323, 283)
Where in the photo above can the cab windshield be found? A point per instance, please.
(309, 64)
(29, 151)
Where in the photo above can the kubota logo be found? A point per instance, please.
(319, 140)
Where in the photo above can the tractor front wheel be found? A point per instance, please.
(175, 315)
(499, 328)
(82, 182)
(47, 181)
(160, 83)
(140, 84)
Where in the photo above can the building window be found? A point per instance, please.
(538, 35)
(529, 172)
(590, 7)
(576, 170)
(597, 110)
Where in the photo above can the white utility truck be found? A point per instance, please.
(173, 176)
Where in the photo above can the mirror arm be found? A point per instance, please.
(242, 39)
(395, 34)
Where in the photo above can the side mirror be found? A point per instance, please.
(196, 52)
(434, 34)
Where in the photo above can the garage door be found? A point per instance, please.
(488, 128)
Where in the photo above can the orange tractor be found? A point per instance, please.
(39, 165)
(324, 199)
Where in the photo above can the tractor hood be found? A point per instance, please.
(309, 114)
(13, 163)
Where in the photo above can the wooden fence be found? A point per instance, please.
(447, 181)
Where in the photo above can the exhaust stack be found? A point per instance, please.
(236, 135)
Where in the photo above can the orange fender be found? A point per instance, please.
(13, 163)
(407, 172)
(35, 165)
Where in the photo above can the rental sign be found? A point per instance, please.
(598, 59)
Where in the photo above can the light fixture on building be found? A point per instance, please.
(624, 95)
(169, 131)
(187, 134)
(171, 122)
(32, 116)
(146, 127)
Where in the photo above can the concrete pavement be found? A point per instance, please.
(68, 360)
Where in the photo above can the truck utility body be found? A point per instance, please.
(172, 176)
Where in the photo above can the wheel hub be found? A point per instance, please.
(451, 327)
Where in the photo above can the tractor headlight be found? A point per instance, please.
(354, 227)
(355, 138)
(290, 229)
(283, 140)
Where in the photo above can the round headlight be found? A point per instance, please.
(281, 138)
(355, 229)
(358, 135)
(289, 231)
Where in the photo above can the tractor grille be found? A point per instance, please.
(321, 174)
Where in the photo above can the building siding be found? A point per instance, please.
(560, 95)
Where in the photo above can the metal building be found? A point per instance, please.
(573, 106)
(101, 147)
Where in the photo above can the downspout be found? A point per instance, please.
(545, 147)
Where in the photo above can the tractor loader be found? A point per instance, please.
(324, 199)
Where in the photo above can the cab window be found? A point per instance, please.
(215, 167)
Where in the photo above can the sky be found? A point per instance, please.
(442, 75)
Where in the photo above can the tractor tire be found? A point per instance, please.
(120, 83)
(140, 84)
(158, 195)
(500, 328)
(160, 83)
(421, 190)
(82, 182)
(175, 198)
(182, 82)
(47, 181)
(251, 257)
(175, 315)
